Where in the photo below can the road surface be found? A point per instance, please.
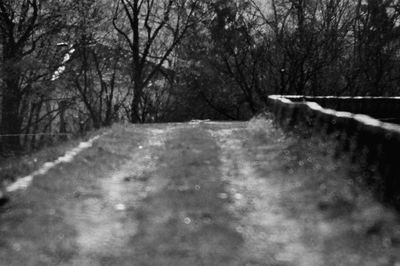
(200, 193)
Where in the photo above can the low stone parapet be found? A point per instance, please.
(382, 108)
(363, 136)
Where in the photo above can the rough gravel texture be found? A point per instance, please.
(200, 193)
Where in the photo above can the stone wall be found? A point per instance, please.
(383, 108)
(378, 143)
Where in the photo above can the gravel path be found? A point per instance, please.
(200, 193)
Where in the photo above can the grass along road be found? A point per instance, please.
(201, 193)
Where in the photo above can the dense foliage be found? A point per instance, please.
(69, 66)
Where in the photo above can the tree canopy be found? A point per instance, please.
(69, 66)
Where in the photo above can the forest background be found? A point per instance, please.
(70, 66)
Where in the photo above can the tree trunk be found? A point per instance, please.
(63, 125)
(135, 106)
(10, 118)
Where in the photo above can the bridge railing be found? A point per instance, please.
(383, 108)
(358, 134)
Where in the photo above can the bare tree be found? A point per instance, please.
(24, 26)
(152, 29)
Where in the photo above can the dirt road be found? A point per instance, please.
(199, 193)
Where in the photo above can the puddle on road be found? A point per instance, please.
(105, 223)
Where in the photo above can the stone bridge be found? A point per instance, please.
(199, 193)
